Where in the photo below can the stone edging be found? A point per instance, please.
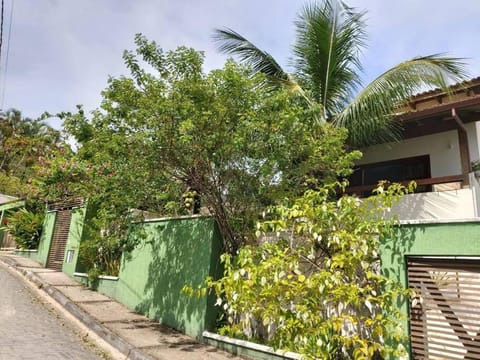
(103, 277)
(252, 346)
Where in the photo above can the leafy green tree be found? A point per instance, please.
(179, 141)
(314, 284)
(326, 71)
(65, 178)
(23, 144)
(22, 141)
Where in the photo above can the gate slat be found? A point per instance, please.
(446, 322)
(59, 239)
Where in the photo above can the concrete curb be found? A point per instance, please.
(130, 352)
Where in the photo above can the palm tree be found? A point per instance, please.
(326, 72)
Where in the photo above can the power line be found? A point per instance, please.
(4, 84)
(1, 30)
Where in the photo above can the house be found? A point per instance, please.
(6, 203)
(436, 249)
(441, 139)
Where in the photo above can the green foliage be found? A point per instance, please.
(25, 227)
(23, 142)
(65, 178)
(314, 285)
(12, 185)
(107, 237)
(174, 131)
(101, 255)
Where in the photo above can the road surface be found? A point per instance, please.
(32, 330)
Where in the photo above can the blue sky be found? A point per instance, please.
(62, 51)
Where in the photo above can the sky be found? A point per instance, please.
(61, 52)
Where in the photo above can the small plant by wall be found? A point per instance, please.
(315, 288)
(25, 227)
(106, 238)
(101, 256)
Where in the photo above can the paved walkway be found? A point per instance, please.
(30, 330)
(133, 335)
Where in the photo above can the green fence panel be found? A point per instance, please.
(175, 253)
(46, 238)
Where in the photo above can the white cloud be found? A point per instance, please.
(62, 52)
(403, 29)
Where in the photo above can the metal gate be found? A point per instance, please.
(445, 314)
(59, 239)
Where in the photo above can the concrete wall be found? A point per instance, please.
(428, 239)
(31, 254)
(451, 204)
(475, 186)
(247, 349)
(73, 243)
(173, 253)
(444, 153)
(442, 147)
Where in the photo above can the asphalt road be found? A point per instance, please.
(32, 330)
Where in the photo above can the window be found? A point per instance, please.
(398, 170)
(69, 257)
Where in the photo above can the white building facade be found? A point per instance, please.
(441, 141)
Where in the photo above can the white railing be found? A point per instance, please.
(437, 205)
(448, 199)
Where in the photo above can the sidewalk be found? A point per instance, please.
(133, 335)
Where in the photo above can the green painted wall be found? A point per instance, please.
(31, 254)
(171, 253)
(105, 286)
(448, 239)
(174, 253)
(46, 238)
(75, 234)
(74, 238)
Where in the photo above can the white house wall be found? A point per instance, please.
(444, 154)
(442, 148)
(444, 205)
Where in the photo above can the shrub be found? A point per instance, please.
(314, 285)
(25, 227)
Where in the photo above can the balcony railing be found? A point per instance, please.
(423, 185)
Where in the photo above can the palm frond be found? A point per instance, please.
(330, 37)
(369, 117)
(230, 42)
